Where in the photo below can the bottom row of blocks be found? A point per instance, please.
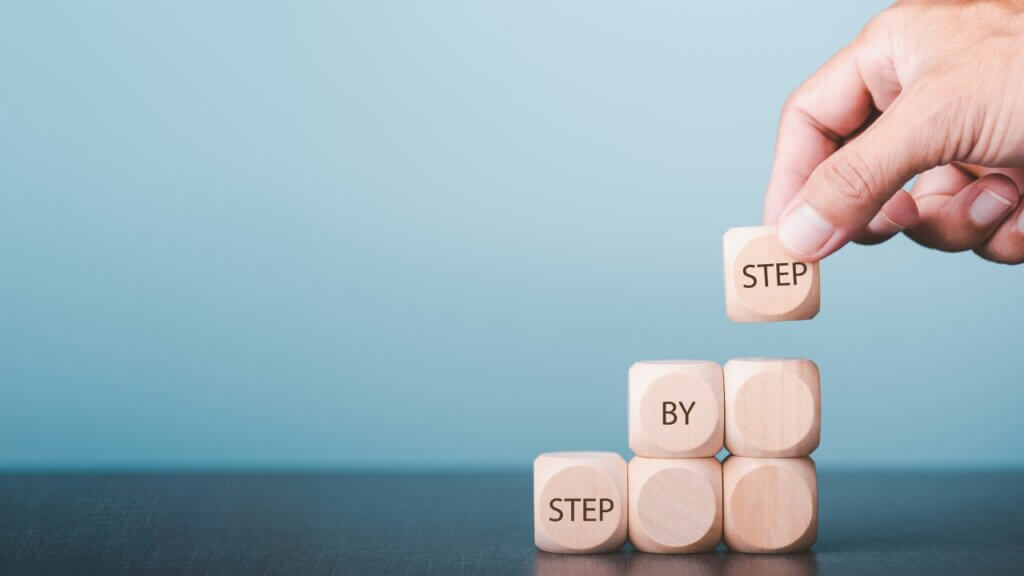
(586, 502)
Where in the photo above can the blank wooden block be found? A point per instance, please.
(579, 502)
(771, 504)
(676, 409)
(675, 506)
(765, 284)
(772, 407)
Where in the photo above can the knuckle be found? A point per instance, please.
(1003, 252)
(945, 120)
(935, 236)
(1001, 259)
(791, 105)
(882, 22)
(794, 106)
(852, 181)
(875, 25)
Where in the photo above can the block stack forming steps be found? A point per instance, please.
(674, 496)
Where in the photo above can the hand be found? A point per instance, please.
(934, 89)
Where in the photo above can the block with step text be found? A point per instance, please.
(763, 283)
(579, 502)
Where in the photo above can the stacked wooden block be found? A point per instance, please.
(674, 496)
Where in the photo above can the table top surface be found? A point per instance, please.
(870, 523)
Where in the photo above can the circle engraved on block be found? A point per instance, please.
(772, 507)
(771, 298)
(676, 507)
(774, 413)
(579, 482)
(685, 431)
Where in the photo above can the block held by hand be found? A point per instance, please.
(763, 283)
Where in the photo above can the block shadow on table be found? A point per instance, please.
(630, 563)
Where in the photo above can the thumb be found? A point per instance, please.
(844, 192)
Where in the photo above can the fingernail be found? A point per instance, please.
(804, 230)
(989, 207)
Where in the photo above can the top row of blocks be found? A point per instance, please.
(757, 407)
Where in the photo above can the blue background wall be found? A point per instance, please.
(396, 234)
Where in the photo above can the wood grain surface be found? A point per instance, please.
(870, 523)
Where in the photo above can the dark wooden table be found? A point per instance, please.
(871, 523)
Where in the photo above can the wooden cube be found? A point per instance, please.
(579, 502)
(763, 283)
(772, 407)
(771, 504)
(675, 505)
(676, 409)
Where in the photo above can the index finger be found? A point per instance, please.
(827, 109)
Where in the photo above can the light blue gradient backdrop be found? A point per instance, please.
(434, 234)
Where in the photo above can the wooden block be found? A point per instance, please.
(771, 504)
(675, 505)
(765, 284)
(772, 407)
(579, 502)
(676, 409)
